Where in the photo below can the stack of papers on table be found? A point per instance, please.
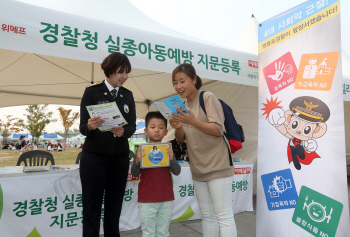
(63, 167)
(36, 169)
(57, 168)
(11, 170)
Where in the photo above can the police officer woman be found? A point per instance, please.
(104, 162)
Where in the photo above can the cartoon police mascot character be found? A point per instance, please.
(302, 123)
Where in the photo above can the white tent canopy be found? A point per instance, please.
(248, 41)
(78, 136)
(51, 137)
(123, 13)
(14, 136)
(58, 74)
(76, 140)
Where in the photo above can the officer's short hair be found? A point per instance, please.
(157, 115)
(116, 61)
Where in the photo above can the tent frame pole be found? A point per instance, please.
(92, 73)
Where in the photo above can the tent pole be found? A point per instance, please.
(148, 103)
(92, 73)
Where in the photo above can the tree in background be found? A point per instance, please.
(8, 127)
(68, 118)
(72, 132)
(37, 120)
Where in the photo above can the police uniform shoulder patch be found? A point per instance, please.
(126, 89)
(95, 84)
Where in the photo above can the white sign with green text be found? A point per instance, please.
(48, 32)
(50, 204)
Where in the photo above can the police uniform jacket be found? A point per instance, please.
(105, 143)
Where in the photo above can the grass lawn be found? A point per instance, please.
(67, 157)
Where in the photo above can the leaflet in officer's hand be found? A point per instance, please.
(110, 113)
(168, 106)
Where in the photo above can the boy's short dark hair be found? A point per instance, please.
(157, 115)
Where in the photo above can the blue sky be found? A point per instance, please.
(223, 21)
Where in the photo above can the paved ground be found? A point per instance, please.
(245, 226)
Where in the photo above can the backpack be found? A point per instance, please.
(234, 131)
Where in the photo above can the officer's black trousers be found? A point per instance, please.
(101, 174)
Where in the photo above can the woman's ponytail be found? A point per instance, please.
(198, 82)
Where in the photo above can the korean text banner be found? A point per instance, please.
(346, 89)
(302, 182)
(49, 204)
(38, 30)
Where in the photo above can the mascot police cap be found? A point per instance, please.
(310, 109)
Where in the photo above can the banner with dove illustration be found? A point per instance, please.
(302, 182)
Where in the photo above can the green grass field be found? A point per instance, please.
(67, 157)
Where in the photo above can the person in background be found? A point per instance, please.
(104, 163)
(179, 149)
(5, 146)
(59, 147)
(211, 168)
(35, 147)
(24, 149)
(155, 195)
(21, 141)
(49, 147)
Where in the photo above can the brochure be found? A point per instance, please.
(169, 105)
(156, 155)
(110, 113)
(63, 167)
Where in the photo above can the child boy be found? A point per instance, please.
(156, 193)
